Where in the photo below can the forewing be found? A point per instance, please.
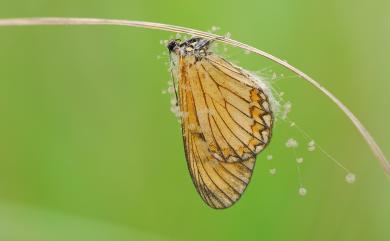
(233, 111)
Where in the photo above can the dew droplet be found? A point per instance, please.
(350, 178)
(286, 109)
(272, 171)
(215, 29)
(269, 157)
(299, 160)
(311, 146)
(171, 90)
(173, 101)
(302, 191)
(291, 143)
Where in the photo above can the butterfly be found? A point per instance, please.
(225, 116)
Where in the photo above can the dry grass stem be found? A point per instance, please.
(171, 28)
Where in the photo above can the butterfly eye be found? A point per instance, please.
(172, 45)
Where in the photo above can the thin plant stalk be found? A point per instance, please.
(172, 28)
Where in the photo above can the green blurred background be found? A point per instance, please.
(90, 151)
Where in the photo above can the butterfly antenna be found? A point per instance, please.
(173, 81)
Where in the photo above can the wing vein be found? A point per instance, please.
(220, 86)
(204, 186)
(233, 175)
(212, 181)
(242, 142)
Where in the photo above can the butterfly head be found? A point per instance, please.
(173, 45)
(194, 46)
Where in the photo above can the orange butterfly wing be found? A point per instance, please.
(226, 122)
